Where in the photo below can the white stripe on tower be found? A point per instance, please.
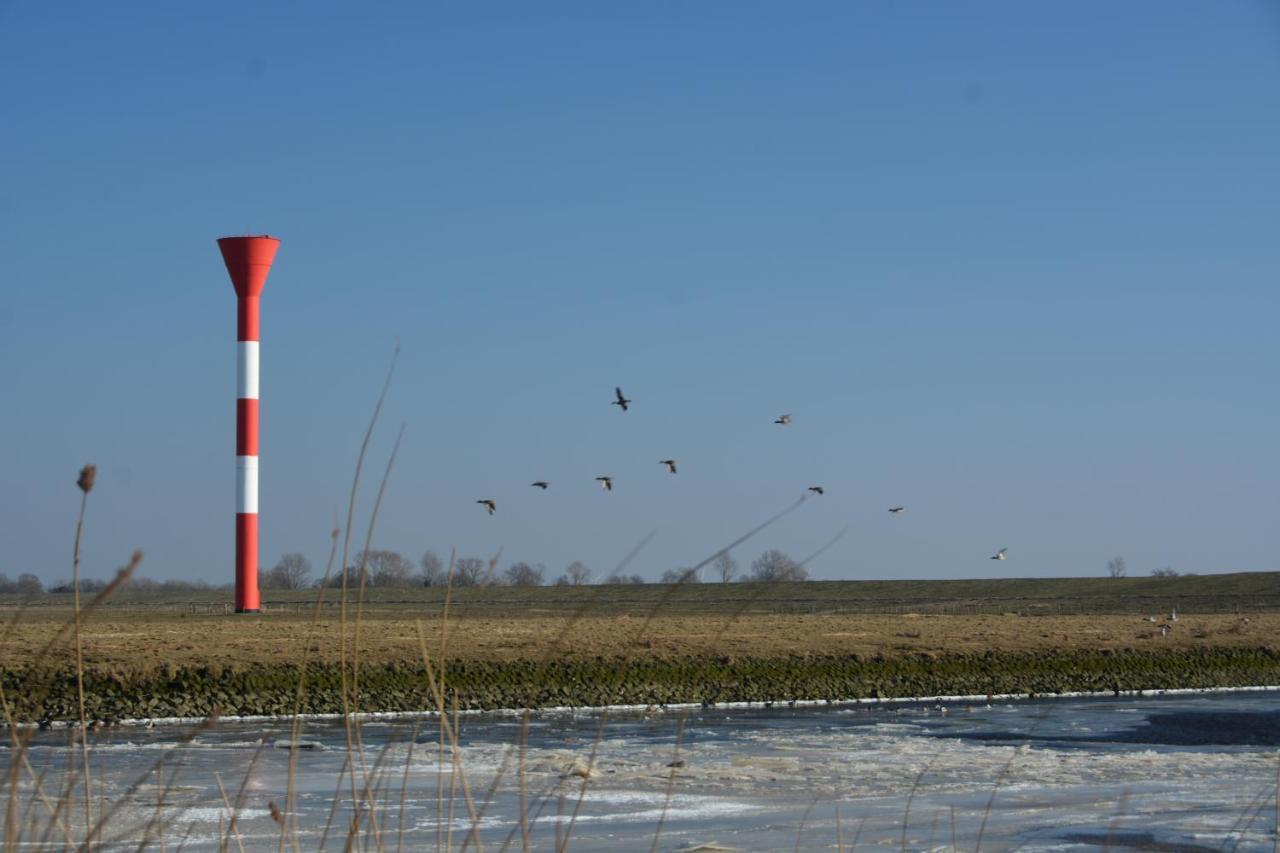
(247, 370)
(247, 484)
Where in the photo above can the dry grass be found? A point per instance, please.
(145, 643)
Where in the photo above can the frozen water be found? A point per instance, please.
(1174, 773)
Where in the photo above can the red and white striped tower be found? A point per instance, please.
(248, 260)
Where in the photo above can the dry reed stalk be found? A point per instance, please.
(28, 818)
(455, 770)
(911, 795)
(23, 739)
(295, 729)
(231, 818)
(857, 834)
(520, 774)
(551, 651)
(839, 832)
(803, 820)
(160, 801)
(1275, 844)
(444, 645)
(355, 646)
(186, 835)
(458, 775)
(11, 781)
(933, 829)
(404, 785)
(333, 802)
(122, 577)
(1238, 829)
(671, 782)
(346, 552)
(69, 778)
(370, 794)
(621, 671)
(85, 483)
(586, 779)
(995, 788)
(560, 841)
(105, 814)
(244, 783)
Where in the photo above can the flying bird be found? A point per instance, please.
(783, 419)
(896, 510)
(999, 555)
(541, 484)
(817, 490)
(670, 463)
(489, 505)
(606, 483)
(621, 400)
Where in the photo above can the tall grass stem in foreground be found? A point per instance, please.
(346, 553)
(88, 474)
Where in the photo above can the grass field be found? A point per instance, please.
(136, 640)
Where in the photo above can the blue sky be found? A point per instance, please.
(1011, 265)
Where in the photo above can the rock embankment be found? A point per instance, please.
(45, 695)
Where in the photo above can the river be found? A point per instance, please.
(1165, 773)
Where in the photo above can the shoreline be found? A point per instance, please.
(45, 696)
(376, 716)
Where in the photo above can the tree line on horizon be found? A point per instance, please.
(392, 570)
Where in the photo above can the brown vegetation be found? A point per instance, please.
(142, 641)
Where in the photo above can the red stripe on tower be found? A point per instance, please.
(248, 260)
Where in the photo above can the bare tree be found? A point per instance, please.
(386, 568)
(622, 580)
(1116, 567)
(578, 574)
(470, 571)
(725, 566)
(1166, 572)
(292, 572)
(28, 584)
(351, 574)
(433, 570)
(681, 575)
(523, 574)
(774, 565)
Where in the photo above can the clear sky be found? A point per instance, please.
(1012, 265)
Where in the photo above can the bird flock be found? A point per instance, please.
(606, 481)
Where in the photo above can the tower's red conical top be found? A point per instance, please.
(248, 260)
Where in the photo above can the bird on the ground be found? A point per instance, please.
(817, 490)
(541, 484)
(1173, 615)
(488, 505)
(783, 420)
(670, 463)
(999, 555)
(606, 483)
(897, 509)
(621, 400)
